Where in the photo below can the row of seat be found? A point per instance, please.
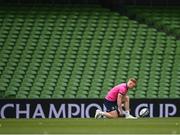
(66, 57)
(166, 18)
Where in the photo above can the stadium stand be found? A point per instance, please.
(166, 18)
(81, 52)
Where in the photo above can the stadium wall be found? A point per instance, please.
(80, 108)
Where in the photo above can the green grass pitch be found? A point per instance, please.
(90, 126)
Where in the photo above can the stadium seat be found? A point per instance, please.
(166, 18)
(82, 52)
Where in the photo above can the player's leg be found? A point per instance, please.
(126, 100)
(111, 111)
(110, 115)
(126, 103)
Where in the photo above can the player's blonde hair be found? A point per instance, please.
(134, 80)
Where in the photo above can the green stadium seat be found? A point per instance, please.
(162, 19)
(78, 52)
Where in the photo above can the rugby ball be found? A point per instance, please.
(144, 112)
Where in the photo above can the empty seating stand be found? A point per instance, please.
(166, 18)
(67, 51)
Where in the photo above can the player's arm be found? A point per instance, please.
(119, 103)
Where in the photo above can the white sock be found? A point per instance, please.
(127, 113)
(123, 112)
(102, 113)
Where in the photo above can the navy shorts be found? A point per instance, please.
(110, 105)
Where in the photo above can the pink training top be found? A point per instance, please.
(113, 93)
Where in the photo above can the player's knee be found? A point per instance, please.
(115, 116)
